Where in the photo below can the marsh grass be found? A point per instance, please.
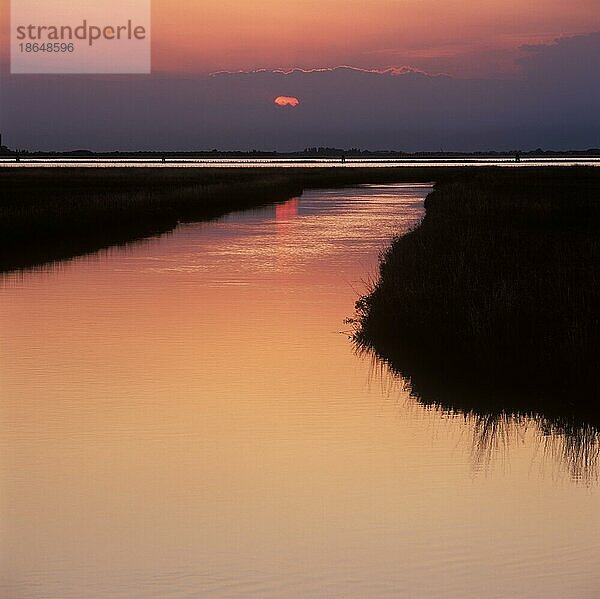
(498, 288)
(47, 214)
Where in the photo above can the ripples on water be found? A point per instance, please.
(186, 417)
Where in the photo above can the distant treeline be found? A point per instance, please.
(307, 153)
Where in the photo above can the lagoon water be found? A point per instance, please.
(186, 417)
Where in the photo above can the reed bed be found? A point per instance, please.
(48, 214)
(498, 290)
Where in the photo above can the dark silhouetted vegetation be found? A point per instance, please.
(47, 215)
(314, 152)
(496, 294)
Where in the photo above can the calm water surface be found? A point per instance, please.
(186, 417)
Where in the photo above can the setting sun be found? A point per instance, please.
(287, 101)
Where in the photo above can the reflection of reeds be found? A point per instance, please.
(564, 439)
(574, 445)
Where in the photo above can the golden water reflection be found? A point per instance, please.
(184, 418)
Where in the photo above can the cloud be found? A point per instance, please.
(402, 70)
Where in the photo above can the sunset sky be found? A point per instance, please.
(475, 45)
(457, 37)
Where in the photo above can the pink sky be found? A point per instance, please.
(463, 38)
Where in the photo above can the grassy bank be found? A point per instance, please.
(47, 214)
(496, 295)
(50, 214)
